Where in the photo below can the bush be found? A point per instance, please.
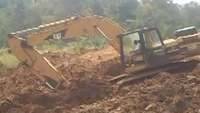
(7, 60)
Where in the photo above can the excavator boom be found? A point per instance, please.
(22, 43)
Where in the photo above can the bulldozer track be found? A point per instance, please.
(134, 77)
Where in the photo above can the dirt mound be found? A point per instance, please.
(89, 92)
(81, 93)
(166, 93)
(23, 91)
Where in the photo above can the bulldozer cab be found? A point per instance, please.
(143, 46)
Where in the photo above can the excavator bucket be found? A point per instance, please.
(51, 76)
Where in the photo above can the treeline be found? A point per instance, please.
(168, 16)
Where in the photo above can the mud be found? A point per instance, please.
(88, 89)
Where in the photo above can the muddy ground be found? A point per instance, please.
(88, 89)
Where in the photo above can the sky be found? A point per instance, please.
(185, 1)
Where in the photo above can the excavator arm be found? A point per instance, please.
(22, 43)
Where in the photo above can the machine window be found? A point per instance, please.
(152, 39)
(129, 42)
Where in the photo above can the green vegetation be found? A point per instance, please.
(7, 60)
(73, 47)
(20, 14)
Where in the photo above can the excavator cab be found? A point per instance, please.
(143, 46)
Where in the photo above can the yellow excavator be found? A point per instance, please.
(142, 50)
(22, 43)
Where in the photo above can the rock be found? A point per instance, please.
(150, 106)
(191, 77)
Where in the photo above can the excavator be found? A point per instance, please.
(143, 52)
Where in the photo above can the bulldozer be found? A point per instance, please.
(154, 54)
(142, 52)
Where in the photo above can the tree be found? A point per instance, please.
(160, 13)
(191, 14)
(168, 16)
(127, 9)
(97, 7)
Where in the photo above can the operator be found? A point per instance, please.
(137, 45)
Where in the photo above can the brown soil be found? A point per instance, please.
(88, 90)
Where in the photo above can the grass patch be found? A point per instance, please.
(78, 46)
(7, 60)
